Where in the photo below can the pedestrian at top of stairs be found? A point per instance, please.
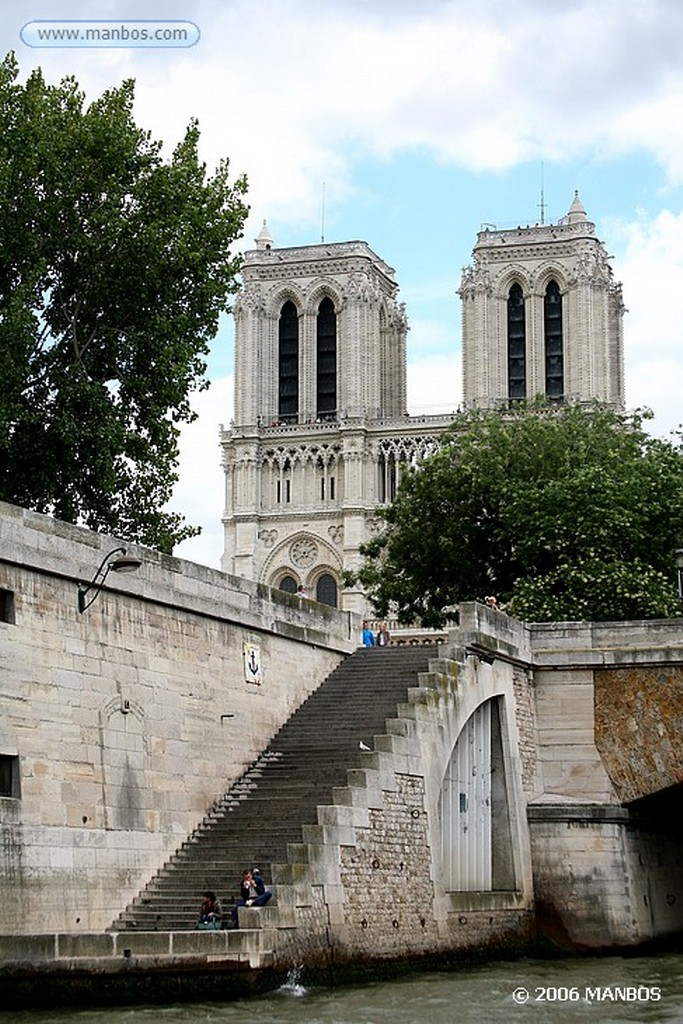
(383, 635)
(368, 636)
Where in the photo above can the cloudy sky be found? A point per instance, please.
(418, 121)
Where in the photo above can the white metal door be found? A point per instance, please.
(466, 808)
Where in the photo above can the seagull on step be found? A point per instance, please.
(363, 746)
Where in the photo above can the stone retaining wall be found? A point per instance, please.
(368, 882)
(120, 722)
(125, 723)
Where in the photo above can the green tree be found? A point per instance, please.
(115, 266)
(567, 513)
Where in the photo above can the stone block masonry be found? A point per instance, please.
(511, 791)
(387, 874)
(374, 864)
(121, 726)
(638, 714)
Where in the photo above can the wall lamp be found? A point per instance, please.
(110, 562)
(484, 655)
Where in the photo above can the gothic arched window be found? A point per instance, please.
(288, 360)
(554, 356)
(326, 590)
(326, 360)
(288, 584)
(387, 479)
(516, 343)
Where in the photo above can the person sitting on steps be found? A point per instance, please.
(249, 893)
(262, 894)
(211, 912)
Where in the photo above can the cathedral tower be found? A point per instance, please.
(321, 429)
(542, 316)
(321, 433)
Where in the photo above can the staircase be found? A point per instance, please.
(252, 824)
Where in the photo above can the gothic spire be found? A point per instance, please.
(577, 213)
(264, 239)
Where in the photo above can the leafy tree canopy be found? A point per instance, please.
(114, 269)
(563, 514)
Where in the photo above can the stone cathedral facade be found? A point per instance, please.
(542, 315)
(321, 432)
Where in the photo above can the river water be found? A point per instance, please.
(611, 990)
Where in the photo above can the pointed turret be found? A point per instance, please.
(577, 213)
(264, 239)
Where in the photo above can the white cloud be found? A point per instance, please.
(296, 93)
(481, 86)
(651, 268)
(435, 385)
(657, 384)
(198, 495)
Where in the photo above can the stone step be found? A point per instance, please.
(251, 828)
(187, 914)
(171, 902)
(228, 851)
(213, 856)
(239, 823)
(191, 888)
(259, 819)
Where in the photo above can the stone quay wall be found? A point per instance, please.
(125, 723)
(120, 726)
(604, 824)
(368, 882)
